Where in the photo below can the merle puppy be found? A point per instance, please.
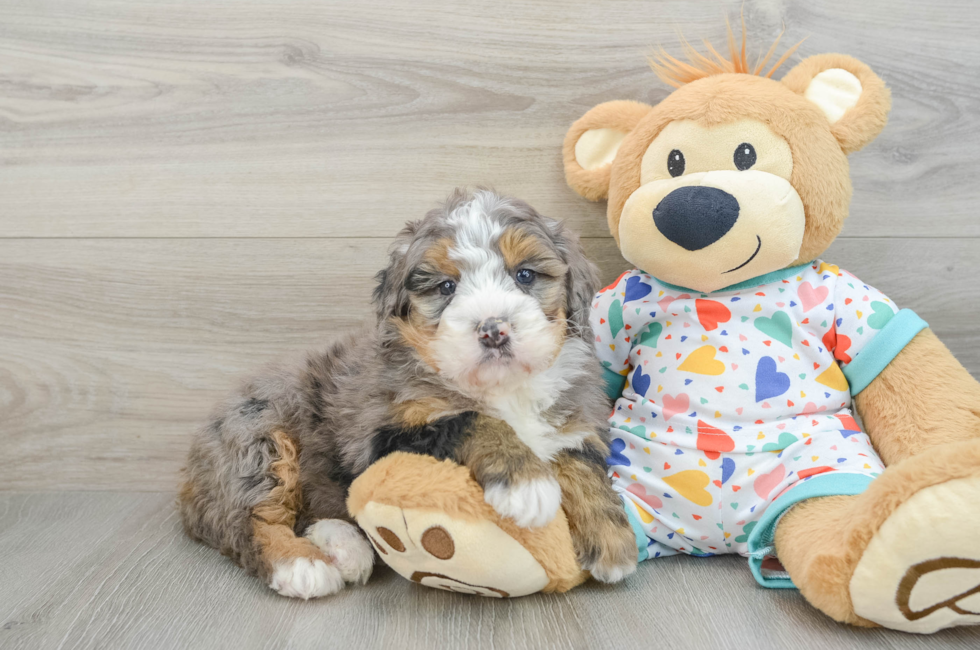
(482, 317)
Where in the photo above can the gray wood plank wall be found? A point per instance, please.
(191, 189)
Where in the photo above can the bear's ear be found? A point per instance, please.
(854, 99)
(592, 142)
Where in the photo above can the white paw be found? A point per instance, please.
(614, 573)
(343, 542)
(530, 504)
(302, 578)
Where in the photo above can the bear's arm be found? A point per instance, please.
(924, 397)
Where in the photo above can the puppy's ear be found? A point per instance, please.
(854, 99)
(592, 142)
(581, 280)
(391, 299)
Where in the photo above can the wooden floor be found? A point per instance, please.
(191, 188)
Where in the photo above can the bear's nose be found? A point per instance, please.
(695, 217)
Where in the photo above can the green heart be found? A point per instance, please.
(704, 401)
(883, 314)
(636, 431)
(778, 327)
(615, 317)
(861, 330)
(734, 506)
(647, 469)
(744, 537)
(802, 375)
(743, 386)
(676, 516)
(785, 440)
(687, 309)
(650, 335)
(663, 370)
(744, 318)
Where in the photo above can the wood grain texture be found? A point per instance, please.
(111, 570)
(294, 118)
(113, 351)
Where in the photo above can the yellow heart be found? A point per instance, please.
(717, 414)
(704, 337)
(680, 531)
(690, 484)
(661, 293)
(760, 436)
(758, 308)
(832, 377)
(660, 354)
(612, 346)
(860, 313)
(701, 463)
(633, 476)
(660, 388)
(802, 394)
(702, 361)
(646, 449)
(628, 419)
(814, 458)
(751, 471)
(668, 323)
(796, 356)
(727, 535)
(806, 435)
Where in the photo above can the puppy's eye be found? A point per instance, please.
(525, 276)
(447, 288)
(744, 156)
(675, 163)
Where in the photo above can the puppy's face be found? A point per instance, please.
(486, 291)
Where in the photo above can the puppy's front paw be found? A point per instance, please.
(302, 578)
(346, 546)
(530, 504)
(609, 553)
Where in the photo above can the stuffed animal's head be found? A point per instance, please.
(733, 175)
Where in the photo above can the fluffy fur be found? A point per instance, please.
(279, 456)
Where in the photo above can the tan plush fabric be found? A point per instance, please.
(821, 541)
(422, 483)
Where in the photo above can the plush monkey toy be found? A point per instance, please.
(735, 353)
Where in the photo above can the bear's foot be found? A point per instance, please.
(428, 521)
(904, 554)
(921, 570)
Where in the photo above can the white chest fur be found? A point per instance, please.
(523, 405)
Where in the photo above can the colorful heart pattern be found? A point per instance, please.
(734, 397)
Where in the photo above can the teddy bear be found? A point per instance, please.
(736, 358)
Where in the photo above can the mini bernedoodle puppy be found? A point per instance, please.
(482, 317)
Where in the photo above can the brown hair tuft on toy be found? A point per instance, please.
(674, 72)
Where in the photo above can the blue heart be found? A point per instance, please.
(640, 382)
(636, 289)
(727, 469)
(678, 452)
(615, 457)
(687, 382)
(744, 351)
(769, 382)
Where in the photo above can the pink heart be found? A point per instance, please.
(664, 303)
(734, 366)
(739, 410)
(675, 405)
(766, 483)
(743, 337)
(810, 297)
(809, 408)
(651, 500)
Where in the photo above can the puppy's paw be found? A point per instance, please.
(302, 578)
(343, 542)
(609, 572)
(530, 504)
(609, 553)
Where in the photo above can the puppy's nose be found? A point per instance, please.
(695, 217)
(493, 332)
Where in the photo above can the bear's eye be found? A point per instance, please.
(675, 163)
(744, 156)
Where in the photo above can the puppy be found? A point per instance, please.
(481, 353)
